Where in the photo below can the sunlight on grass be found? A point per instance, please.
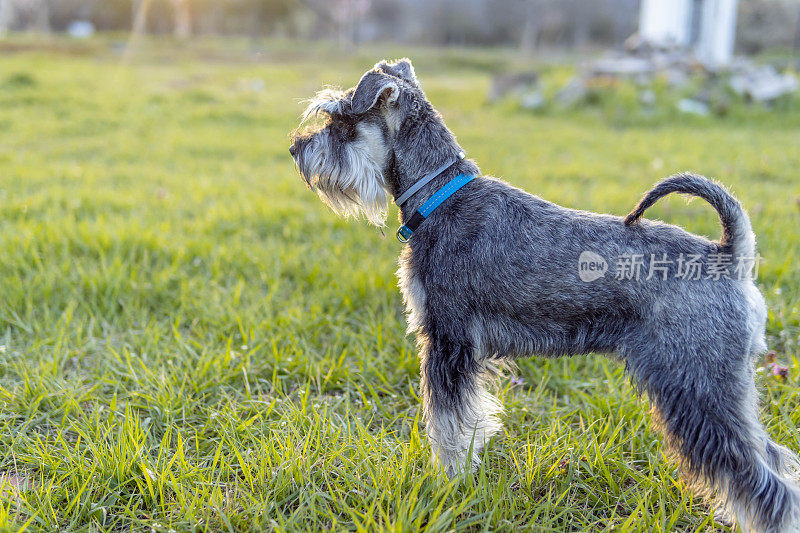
(190, 340)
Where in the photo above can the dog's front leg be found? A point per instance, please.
(460, 414)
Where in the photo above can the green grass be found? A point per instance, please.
(190, 340)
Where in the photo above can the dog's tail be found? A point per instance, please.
(737, 233)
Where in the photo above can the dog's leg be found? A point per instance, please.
(460, 414)
(711, 423)
(780, 458)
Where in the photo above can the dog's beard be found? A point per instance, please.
(350, 183)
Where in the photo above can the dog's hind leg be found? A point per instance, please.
(459, 412)
(706, 407)
(780, 458)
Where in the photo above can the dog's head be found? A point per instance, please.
(345, 155)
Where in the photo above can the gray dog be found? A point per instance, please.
(491, 272)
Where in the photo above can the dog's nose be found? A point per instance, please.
(291, 150)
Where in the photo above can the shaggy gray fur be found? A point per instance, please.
(493, 274)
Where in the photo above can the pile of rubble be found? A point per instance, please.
(643, 64)
(762, 83)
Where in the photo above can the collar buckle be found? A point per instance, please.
(404, 233)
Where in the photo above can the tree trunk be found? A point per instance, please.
(6, 16)
(581, 14)
(530, 32)
(42, 16)
(183, 19)
(140, 8)
(796, 45)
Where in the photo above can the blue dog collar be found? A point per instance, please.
(405, 231)
(424, 180)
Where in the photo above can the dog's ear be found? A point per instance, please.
(402, 68)
(373, 86)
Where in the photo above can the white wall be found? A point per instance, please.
(718, 32)
(665, 21)
(669, 22)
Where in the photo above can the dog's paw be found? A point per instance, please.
(453, 464)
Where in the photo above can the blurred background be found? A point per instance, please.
(715, 26)
(643, 40)
(188, 336)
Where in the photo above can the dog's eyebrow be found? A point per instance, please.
(327, 101)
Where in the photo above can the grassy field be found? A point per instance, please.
(190, 340)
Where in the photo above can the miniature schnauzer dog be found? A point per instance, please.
(491, 272)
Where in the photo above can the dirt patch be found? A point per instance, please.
(53, 47)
